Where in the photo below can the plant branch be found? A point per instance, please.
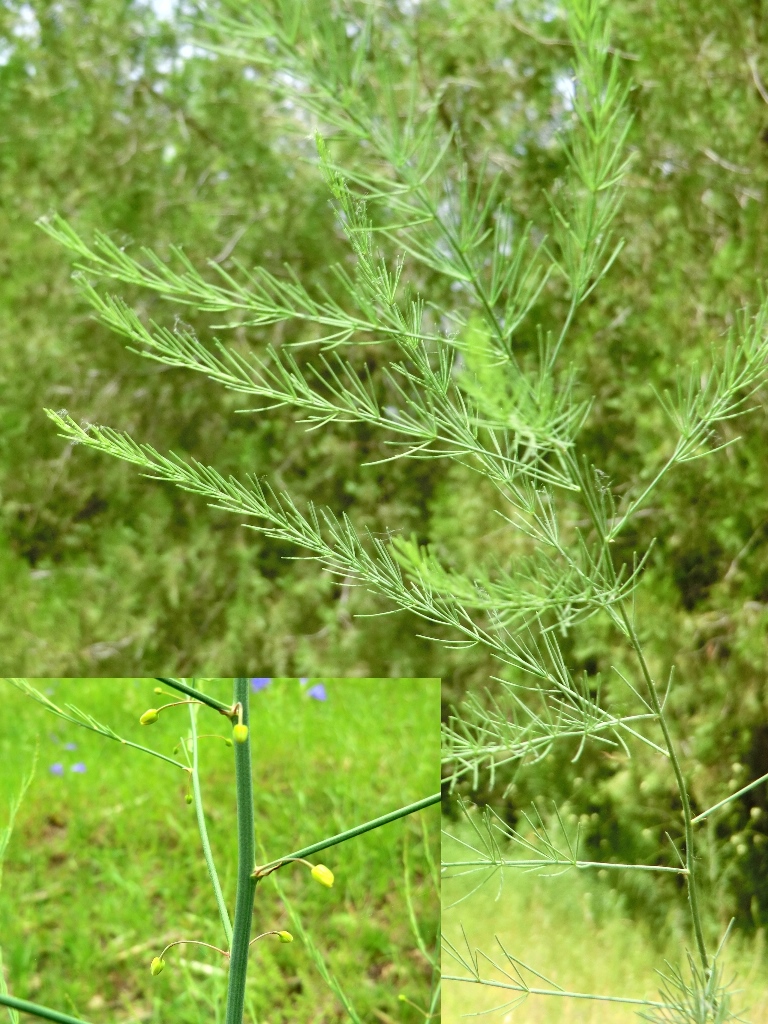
(24, 1006)
(565, 863)
(190, 691)
(690, 853)
(727, 800)
(85, 721)
(358, 830)
(557, 992)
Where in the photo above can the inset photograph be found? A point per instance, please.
(249, 850)
(594, 869)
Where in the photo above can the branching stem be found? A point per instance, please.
(690, 852)
(190, 691)
(351, 833)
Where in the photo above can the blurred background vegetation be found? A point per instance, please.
(105, 865)
(112, 117)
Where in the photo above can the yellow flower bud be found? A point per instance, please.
(240, 733)
(149, 717)
(285, 936)
(156, 966)
(322, 874)
(158, 689)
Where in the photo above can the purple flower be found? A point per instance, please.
(317, 692)
(259, 684)
(303, 682)
(57, 769)
(70, 746)
(79, 767)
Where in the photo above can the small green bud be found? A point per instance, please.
(228, 742)
(322, 874)
(188, 798)
(240, 733)
(156, 966)
(149, 717)
(158, 689)
(285, 936)
(402, 998)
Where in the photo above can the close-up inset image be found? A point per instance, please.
(251, 850)
(585, 877)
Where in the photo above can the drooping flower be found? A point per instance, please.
(317, 692)
(260, 684)
(285, 936)
(156, 966)
(323, 875)
(57, 769)
(79, 767)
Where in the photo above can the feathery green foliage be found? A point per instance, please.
(443, 283)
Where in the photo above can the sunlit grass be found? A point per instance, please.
(105, 865)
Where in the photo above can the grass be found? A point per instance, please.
(578, 931)
(106, 866)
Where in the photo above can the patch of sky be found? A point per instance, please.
(26, 25)
(565, 87)
(164, 10)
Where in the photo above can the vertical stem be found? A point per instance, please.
(246, 885)
(207, 852)
(690, 858)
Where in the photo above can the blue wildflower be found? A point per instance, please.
(70, 746)
(57, 769)
(317, 692)
(260, 684)
(79, 767)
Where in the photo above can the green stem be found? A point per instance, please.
(38, 1011)
(207, 853)
(561, 992)
(733, 796)
(190, 691)
(358, 830)
(690, 858)
(246, 884)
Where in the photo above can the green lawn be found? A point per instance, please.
(105, 865)
(576, 930)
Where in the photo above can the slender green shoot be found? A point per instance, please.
(200, 813)
(86, 721)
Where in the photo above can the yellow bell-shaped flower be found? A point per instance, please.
(323, 875)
